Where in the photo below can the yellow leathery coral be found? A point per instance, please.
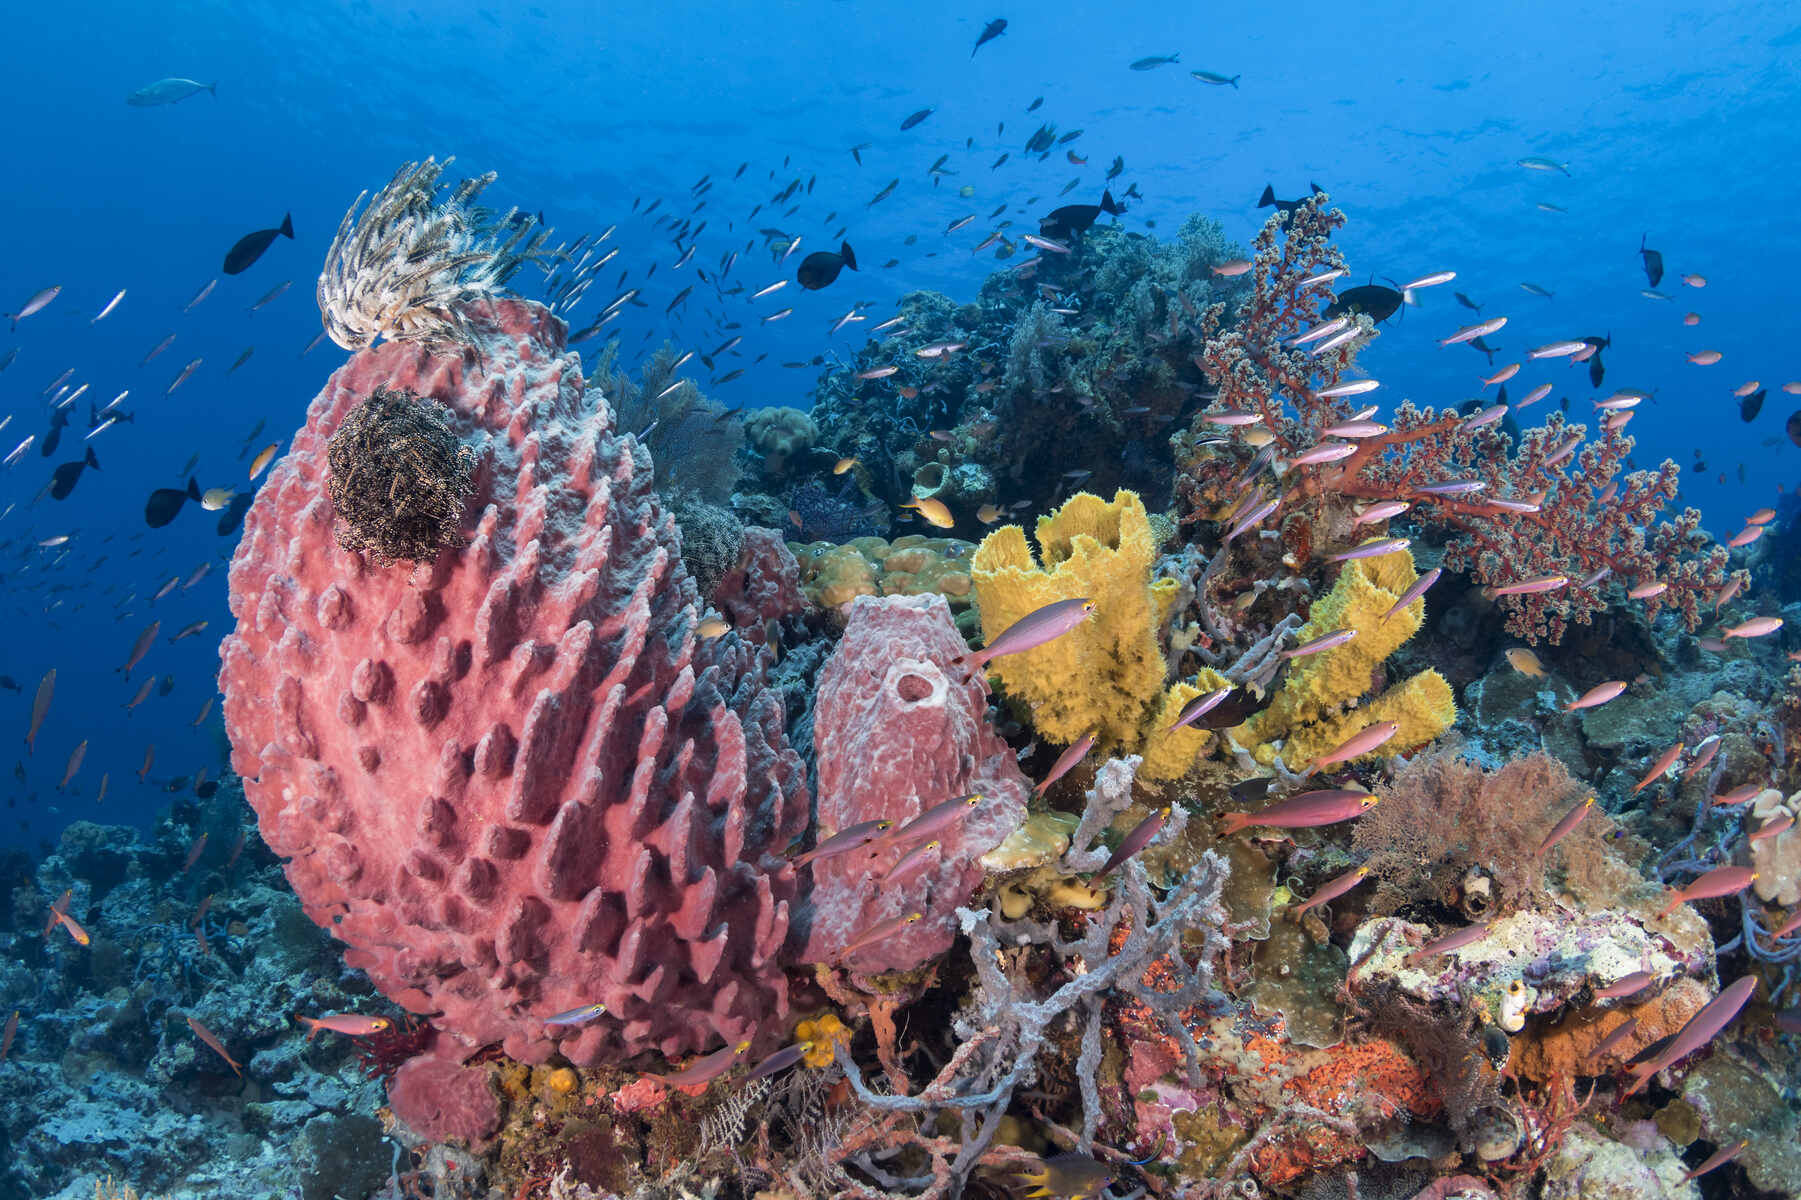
(1106, 676)
(1316, 708)
(823, 1033)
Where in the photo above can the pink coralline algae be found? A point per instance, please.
(513, 780)
(900, 728)
(1554, 505)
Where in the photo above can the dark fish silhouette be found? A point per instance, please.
(10, 684)
(164, 503)
(54, 437)
(1479, 344)
(165, 685)
(1033, 106)
(250, 247)
(233, 516)
(1268, 199)
(1377, 302)
(64, 478)
(1751, 405)
(1793, 428)
(1596, 371)
(1251, 791)
(819, 268)
(1653, 261)
(1072, 219)
(1116, 168)
(916, 118)
(1467, 302)
(993, 30)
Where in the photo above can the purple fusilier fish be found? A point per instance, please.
(1714, 1016)
(1563, 828)
(911, 859)
(1620, 1033)
(1372, 549)
(781, 1060)
(1305, 811)
(1329, 892)
(1138, 839)
(881, 931)
(705, 1070)
(1325, 452)
(1066, 762)
(1452, 487)
(1253, 517)
(1033, 630)
(1415, 592)
(1359, 744)
(1381, 511)
(1337, 637)
(843, 842)
(575, 1016)
(1541, 583)
(1625, 985)
(1721, 881)
(1449, 942)
(936, 819)
(1717, 1159)
(1200, 706)
(1596, 696)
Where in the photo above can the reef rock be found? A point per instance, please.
(512, 780)
(899, 727)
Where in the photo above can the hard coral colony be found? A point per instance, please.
(1232, 859)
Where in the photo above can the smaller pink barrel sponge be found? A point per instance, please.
(439, 1100)
(898, 728)
(514, 781)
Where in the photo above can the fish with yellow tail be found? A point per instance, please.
(1564, 827)
(1332, 890)
(843, 842)
(1721, 881)
(1358, 744)
(1033, 630)
(1306, 811)
(1138, 839)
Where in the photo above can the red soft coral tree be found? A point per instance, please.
(1550, 506)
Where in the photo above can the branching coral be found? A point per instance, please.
(1550, 507)
(404, 268)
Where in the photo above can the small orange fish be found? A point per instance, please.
(206, 1035)
(59, 914)
(1525, 662)
(933, 511)
(843, 465)
(988, 514)
(348, 1024)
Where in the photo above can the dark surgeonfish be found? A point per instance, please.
(1479, 344)
(1596, 371)
(164, 503)
(1793, 427)
(64, 478)
(1653, 261)
(233, 516)
(1071, 219)
(54, 437)
(1268, 199)
(250, 247)
(991, 31)
(821, 267)
(1372, 299)
(1751, 405)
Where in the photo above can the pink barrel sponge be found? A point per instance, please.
(513, 780)
(898, 728)
(440, 1100)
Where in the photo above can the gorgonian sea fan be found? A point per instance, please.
(403, 269)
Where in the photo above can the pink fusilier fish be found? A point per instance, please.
(1617, 421)
(1355, 429)
(1564, 827)
(1717, 1159)
(1557, 350)
(1705, 358)
(1746, 536)
(1647, 591)
(1626, 985)
(1664, 762)
(1502, 376)
(1451, 941)
(1700, 1029)
(911, 859)
(1452, 487)
(576, 1016)
(1762, 516)
(1231, 269)
(1706, 749)
(141, 647)
(40, 707)
(1323, 330)
(881, 931)
(1487, 416)
(348, 1024)
(1470, 333)
(1615, 1036)
(1055, 247)
(1305, 811)
(74, 765)
(1534, 396)
(1744, 793)
(1324, 453)
(1354, 388)
(1033, 630)
(143, 694)
(1335, 341)
(1732, 588)
(1337, 637)
(1066, 762)
(1781, 823)
(1253, 517)
(1415, 592)
(1432, 280)
(1721, 881)
(1332, 890)
(936, 819)
(873, 372)
(843, 842)
(1594, 577)
(1598, 695)
(213, 1043)
(1374, 548)
(1564, 451)
(1359, 744)
(709, 1068)
(781, 1060)
(1527, 587)
(1138, 839)
(1381, 511)
(1618, 402)
(1513, 506)
(1232, 417)
(1200, 706)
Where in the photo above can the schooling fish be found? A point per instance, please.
(233, 516)
(40, 707)
(782, 1059)
(1306, 811)
(169, 91)
(1334, 889)
(989, 32)
(1158, 60)
(1066, 762)
(1034, 629)
(1358, 744)
(250, 247)
(843, 842)
(1064, 223)
(1138, 839)
(1564, 827)
(1700, 1029)
(38, 300)
(1268, 199)
(1451, 941)
(1721, 881)
(821, 267)
(916, 118)
(212, 1041)
(64, 478)
(880, 931)
(348, 1024)
(164, 503)
(937, 819)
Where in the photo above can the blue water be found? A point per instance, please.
(1676, 122)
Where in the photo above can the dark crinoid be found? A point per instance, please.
(399, 478)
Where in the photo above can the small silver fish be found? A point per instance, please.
(169, 91)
